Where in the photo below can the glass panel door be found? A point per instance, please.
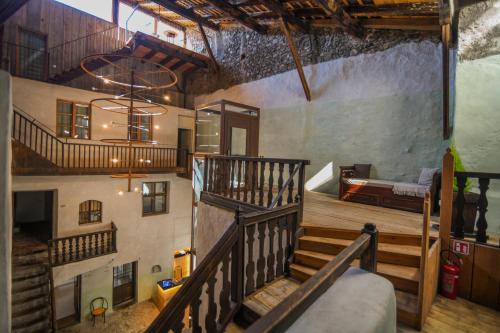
(124, 277)
(238, 141)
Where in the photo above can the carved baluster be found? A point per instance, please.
(109, 241)
(254, 179)
(261, 185)
(270, 257)
(250, 267)
(56, 251)
(238, 194)
(210, 185)
(92, 245)
(84, 246)
(261, 262)
(246, 180)
(210, 320)
(288, 226)
(70, 252)
(458, 226)
(102, 243)
(226, 290)
(77, 251)
(281, 166)
(178, 324)
(231, 183)
(482, 224)
(291, 167)
(271, 184)
(224, 177)
(195, 312)
(279, 254)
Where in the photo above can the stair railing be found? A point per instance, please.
(289, 310)
(259, 181)
(69, 249)
(231, 262)
(86, 157)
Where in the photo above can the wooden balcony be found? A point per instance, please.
(65, 250)
(37, 151)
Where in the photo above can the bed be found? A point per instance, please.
(355, 185)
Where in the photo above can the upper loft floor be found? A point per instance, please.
(46, 40)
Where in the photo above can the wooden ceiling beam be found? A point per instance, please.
(421, 9)
(237, 14)
(296, 58)
(276, 7)
(154, 14)
(187, 13)
(422, 24)
(207, 46)
(334, 9)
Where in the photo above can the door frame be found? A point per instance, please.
(250, 123)
(133, 300)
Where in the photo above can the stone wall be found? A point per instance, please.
(245, 56)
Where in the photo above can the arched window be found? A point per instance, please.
(90, 212)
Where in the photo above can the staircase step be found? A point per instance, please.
(31, 316)
(29, 283)
(24, 295)
(38, 327)
(29, 304)
(407, 255)
(24, 272)
(407, 305)
(30, 259)
(403, 277)
(383, 237)
(301, 273)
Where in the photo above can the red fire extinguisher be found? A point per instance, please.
(450, 273)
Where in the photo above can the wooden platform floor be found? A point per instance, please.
(458, 316)
(327, 210)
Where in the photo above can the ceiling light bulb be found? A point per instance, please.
(106, 81)
(157, 126)
(114, 160)
(166, 97)
(120, 192)
(105, 126)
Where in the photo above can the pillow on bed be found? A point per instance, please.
(362, 170)
(426, 176)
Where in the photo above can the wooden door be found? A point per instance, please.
(124, 281)
(240, 134)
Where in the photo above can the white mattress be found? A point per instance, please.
(358, 302)
(372, 182)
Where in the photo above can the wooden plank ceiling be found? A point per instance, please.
(347, 15)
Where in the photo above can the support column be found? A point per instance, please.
(5, 202)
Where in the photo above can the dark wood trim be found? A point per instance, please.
(115, 11)
(335, 10)
(401, 9)
(227, 203)
(238, 15)
(296, 58)
(445, 43)
(276, 7)
(421, 24)
(187, 13)
(9, 8)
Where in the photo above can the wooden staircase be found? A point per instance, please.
(31, 308)
(398, 260)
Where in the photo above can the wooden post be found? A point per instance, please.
(238, 261)
(296, 57)
(446, 198)
(424, 255)
(207, 46)
(115, 11)
(368, 260)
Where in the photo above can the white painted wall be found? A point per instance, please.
(382, 108)
(477, 125)
(39, 100)
(149, 240)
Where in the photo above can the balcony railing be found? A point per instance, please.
(82, 158)
(65, 250)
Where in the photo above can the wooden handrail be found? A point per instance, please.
(233, 249)
(254, 180)
(171, 316)
(288, 311)
(469, 174)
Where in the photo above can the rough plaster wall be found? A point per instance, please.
(5, 203)
(246, 56)
(382, 108)
(477, 115)
(149, 240)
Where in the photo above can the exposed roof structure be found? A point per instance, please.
(348, 15)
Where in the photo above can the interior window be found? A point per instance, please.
(141, 128)
(155, 198)
(73, 120)
(32, 55)
(90, 212)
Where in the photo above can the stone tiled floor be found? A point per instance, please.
(133, 319)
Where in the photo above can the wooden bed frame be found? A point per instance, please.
(380, 196)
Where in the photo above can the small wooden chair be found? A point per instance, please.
(98, 307)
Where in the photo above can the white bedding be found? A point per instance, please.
(410, 189)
